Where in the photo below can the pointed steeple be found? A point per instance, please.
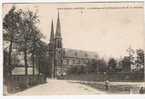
(51, 54)
(52, 33)
(58, 28)
(58, 39)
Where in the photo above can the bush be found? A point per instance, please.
(22, 86)
(76, 70)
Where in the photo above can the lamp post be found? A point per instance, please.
(144, 68)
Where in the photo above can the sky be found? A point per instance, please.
(106, 28)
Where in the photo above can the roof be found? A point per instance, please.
(79, 53)
(21, 71)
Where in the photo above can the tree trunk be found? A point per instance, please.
(25, 59)
(33, 63)
(38, 66)
(9, 57)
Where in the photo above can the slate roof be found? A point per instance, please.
(79, 53)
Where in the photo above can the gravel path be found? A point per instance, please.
(60, 87)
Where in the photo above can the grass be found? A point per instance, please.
(117, 85)
(114, 88)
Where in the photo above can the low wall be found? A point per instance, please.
(127, 76)
(133, 77)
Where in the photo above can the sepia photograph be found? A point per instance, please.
(73, 48)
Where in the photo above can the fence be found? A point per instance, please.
(21, 82)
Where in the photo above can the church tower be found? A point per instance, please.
(58, 38)
(55, 49)
(52, 51)
(58, 48)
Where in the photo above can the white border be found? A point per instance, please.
(1, 52)
(57, 97)
(30, 1)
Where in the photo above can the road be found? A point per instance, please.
(60, 87)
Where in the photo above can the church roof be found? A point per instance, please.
(79, 53)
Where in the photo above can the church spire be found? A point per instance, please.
(58, 28)
(58, 39)
(52, 33)
(51, 51)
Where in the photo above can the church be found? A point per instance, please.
(62, 59)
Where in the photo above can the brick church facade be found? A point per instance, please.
(61, 59)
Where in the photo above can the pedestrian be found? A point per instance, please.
(61, 75)
(106, 85)
(141, 90)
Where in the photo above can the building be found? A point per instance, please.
(61, 59)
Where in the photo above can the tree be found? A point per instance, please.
(11, 26)
(21, 28)
(36, 36)
(101, 65)
(41, 54)
(131, 57)
(97, 65)
(91, 66)
(28, 35)
(6, 67)
(140, 58)
(112, 64)
(126, 64)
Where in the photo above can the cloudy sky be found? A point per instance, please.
(106, 28)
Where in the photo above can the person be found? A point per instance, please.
(106, 85)
(141, 90)
(61, 76)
